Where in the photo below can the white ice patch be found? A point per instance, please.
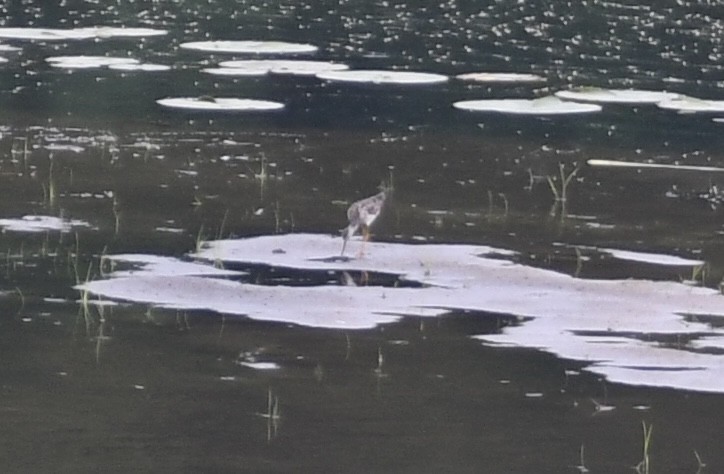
(613, 325)
(687, 104)
(371, 76)
(261, 365)
(237, 72)
(653, 258)
(144, 67)
(87, 62)
(250, 47)
(121, 32)
(616, 96)
(57, 34)
(40, 224)
(220, 104)
(163, 266)
(550, 105)
(631, 164)
(500, 77)
(276, 66)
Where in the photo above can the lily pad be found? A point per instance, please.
(500, 77)
(222, 104)
(279, 66)
(250, 47)
(549, 105)
(616, 96)
(372, 76)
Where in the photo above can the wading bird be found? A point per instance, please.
(361, 215)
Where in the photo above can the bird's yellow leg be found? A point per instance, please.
(365, 238)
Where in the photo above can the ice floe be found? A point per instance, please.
(250, 47)
(237, 72)
(549, 105)
(616, 96)
(500, 77)
(121, 32)
(631, 164)
(222, 104)
(652, 258)
(373, 76)
(40, 224)
(276, 66)
(58, 34)
(157, 265)
(141, 67)
(88, 62)
(620, 328)
(687, 104)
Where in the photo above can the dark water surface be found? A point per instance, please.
(128, 388)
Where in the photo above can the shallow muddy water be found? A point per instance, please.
(172, 297)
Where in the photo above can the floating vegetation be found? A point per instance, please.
(616, 96)
(250, 47)
(220, 104)
(371, 76)
(56, 34)
(549, 105)
(88, 62)
(40, 224)
(500, 77)
(276, 66)
(611, 325)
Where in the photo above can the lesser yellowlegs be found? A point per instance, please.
(361, 215)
